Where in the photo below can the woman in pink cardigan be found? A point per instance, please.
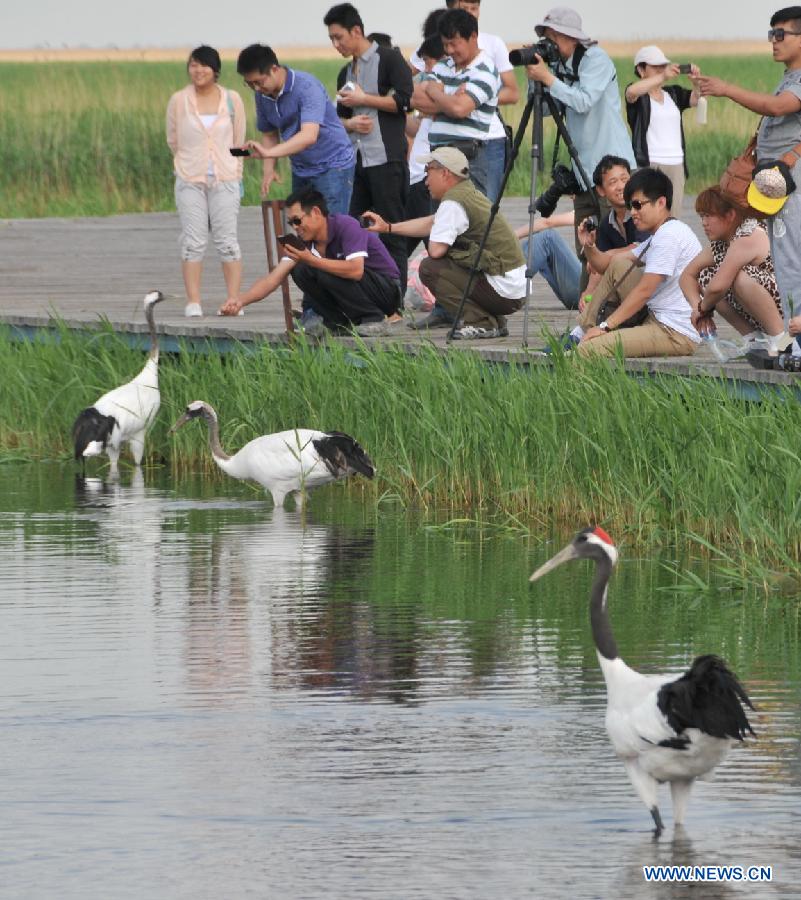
(204, 120)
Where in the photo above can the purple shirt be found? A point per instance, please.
(348, 240)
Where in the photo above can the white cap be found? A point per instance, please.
(651, 56)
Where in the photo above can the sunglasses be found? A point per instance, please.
(295, 221)
(779, 34)
(638, 204)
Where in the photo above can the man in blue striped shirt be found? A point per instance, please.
(461, 94)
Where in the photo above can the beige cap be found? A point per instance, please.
(651, 56)
(449, 158)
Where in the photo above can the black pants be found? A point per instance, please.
(342, 301)
(418, 205)
(384, 189)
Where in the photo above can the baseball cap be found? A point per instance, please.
(651, 55)
(770, 186)
(450, 158)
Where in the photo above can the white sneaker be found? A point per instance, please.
(778, 343)
(193, 310)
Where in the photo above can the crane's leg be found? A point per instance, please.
(645, 786)
(137, 445)
(113, 454)
(659, 826)
(300, 498)
(278, 498)
(680, 794)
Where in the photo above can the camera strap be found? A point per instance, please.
(578, 55)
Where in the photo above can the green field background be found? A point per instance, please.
(81, 139)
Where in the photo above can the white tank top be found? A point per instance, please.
(664, 132)
(208, 120)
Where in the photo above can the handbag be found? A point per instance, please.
(734, 182)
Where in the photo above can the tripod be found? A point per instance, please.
(536, 96)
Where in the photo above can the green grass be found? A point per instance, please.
(88, 138)
(657, 461)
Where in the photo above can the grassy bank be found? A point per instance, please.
(88, 138)
(657, 460)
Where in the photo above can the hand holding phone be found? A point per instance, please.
(685, 68)
(291, 240)
(239, 151)
(366, 221)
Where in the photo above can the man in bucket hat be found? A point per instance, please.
(779, 140)
(585, 82)
(454, 234)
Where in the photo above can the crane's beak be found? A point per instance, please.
(180, 423)
(562, 556)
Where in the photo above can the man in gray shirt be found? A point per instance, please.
(779, 133)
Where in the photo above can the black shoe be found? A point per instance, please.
(761, 359)
(435, 319)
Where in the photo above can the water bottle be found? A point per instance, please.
(700, 111)
(722, 350)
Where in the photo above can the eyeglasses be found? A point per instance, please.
(777, 35)
(296, 220)
(434, 168)
(638, 204)
(256, 84)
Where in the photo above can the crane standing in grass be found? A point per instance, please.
(125, 413)
(289, 462)
(663, 728)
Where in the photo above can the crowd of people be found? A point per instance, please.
(416, 151)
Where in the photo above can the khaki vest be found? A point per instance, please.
(502, 251)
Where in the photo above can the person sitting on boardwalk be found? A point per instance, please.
(346, 274)
(734, 275)
(667, 329)
(454, 233)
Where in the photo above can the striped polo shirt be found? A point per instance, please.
(482, 82)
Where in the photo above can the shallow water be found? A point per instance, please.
(201, 696)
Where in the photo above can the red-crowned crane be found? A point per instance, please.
(288, 462)
(126, 413)
(663, 728)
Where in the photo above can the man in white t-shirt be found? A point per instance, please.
(495, 48)
(667, 330)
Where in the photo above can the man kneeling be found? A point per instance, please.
(454, 233)
(346, 274)
(667, 330)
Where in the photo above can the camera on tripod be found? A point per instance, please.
(564, 182)
(545, 49)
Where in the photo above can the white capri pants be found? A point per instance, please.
(204, 206)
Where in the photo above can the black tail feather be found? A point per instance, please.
(709, 697)
(343, 455)
(91, 426)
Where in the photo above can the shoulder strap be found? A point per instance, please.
(578, 55)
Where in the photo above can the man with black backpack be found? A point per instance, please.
(584, 81)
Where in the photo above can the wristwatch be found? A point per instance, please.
(605, 326)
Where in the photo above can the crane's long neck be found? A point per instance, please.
(599, 614)
(154, 338)
(214, 440)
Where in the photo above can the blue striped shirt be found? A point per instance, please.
(482, 83)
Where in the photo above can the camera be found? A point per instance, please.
(591, 224)
(545, 49)
(564, 182)
(685, 69)
(366, 221)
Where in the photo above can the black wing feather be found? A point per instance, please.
(342, 455)
(708, 697)
(91, 425)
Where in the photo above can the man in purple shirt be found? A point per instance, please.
(297, 120)
(346, 273)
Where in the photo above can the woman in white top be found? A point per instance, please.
(204, 121)
(654, 116)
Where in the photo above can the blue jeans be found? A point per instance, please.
(557, 263)
(496, 162)
(336, 185)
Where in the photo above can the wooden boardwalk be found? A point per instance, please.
(83, 269)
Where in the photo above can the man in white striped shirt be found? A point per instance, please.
(461, 94)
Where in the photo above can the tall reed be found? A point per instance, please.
(657, 459)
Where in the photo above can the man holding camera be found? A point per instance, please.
(454, 235)
(584, 80)
(346, 273)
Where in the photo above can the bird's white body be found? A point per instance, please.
(282, 463)
(134, 405)
(636, 726)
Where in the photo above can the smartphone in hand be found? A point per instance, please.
(239, 151)
(685, 68)
(291, 240)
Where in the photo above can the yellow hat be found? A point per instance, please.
(768, 192)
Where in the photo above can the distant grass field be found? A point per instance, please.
(82, 139)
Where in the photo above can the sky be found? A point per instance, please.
(183, 23)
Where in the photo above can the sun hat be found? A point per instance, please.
(566, 21)
(651, 55)
(770, 187)
(449, 158)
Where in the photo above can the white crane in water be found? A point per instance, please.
(664, 728)
(289, 462)
(126, 413)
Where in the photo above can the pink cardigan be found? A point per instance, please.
(192, 144)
